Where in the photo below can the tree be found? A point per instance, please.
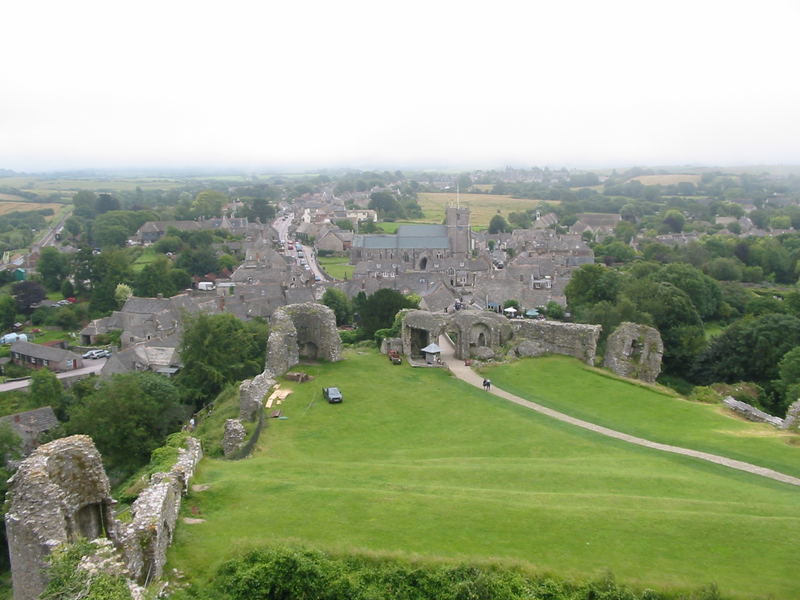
(128, 417)
(674, 220)
(105, 203)
(45, 389)
(208, 203)
(198, 261)
(553, 310)
(8, 311)
(53, 266)
(671, 311)
(498, 224)
(703, 291)
(380, 309)
(154, 279)
(122, 292)
(67, 289)
(340, 304)
(109, 269)
(386, 205)
(748, 350)
(28, 293)
(591, 284)
(216, 350)
(84, 203)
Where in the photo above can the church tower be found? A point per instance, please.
(458, 232)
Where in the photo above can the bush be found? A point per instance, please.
(277, 573)
(349, 336)
(705, 394)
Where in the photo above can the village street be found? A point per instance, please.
(94, 367)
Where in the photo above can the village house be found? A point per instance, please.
(37, 356)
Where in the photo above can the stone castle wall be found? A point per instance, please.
(635, 351)
(147, 537)
(251, 395)
(307, 329)
(535, 338)
(61, 493)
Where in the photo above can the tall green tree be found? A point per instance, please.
(128, 417)
(53, 266)
(45, 389)
(380, 309)
(498, 224)
(8, 311)
(340, 304)
(593, 283)
(217, 350)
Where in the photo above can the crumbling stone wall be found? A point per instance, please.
(307, 329)
(251, 395)
(391, 344)
(553, 337)
(751, 413)
(233, 438)
(155, 512)
(478, 333)
(58, 494)
(636, 351)
(792, 420)
(421, 328)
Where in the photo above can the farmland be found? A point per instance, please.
(417, 463)
(482, 206)
(9, 207)
(669, 179)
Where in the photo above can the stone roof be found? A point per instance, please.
(43, 352)
(407, 236)
(29, 424)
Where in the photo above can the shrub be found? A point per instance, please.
(705, 394)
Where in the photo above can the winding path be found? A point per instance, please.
(467, 374)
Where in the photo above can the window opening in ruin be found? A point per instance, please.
(308, 350)
(423, 263)
(635, 353)
(419, 339)
(87, 523)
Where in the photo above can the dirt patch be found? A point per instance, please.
(200, 487)
(191, 521)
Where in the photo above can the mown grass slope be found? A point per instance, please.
(569, 386)
(417, 463)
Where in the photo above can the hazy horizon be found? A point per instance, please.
(437, 85)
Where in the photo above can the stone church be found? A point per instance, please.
(418, 247)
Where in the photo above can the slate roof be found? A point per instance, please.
(407, 237)
(43, 352)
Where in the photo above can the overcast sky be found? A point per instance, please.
(300, 84)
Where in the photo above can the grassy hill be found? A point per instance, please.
(569, 386)
(417, 463)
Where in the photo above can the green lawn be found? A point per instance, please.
(417, 463)
(336, 266)
(567, 385)
(147, 256)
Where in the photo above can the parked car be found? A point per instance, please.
(90, 354)
(332, 395)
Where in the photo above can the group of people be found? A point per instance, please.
(487, 384)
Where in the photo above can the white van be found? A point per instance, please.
(206, 286)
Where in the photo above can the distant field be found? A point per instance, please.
(417, 463)
(48, 186)
(11, 198)
(482, 206)
(8, 207)
(670, 179)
